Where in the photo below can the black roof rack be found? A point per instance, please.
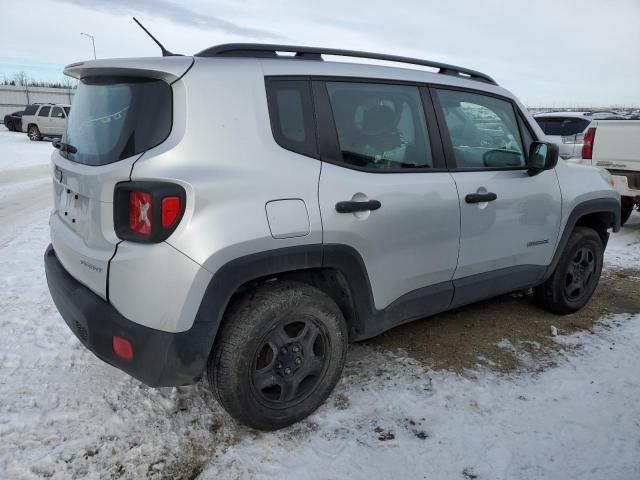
(258, 50)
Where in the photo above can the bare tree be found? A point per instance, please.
(21, 78)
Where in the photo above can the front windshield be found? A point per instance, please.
(114, 118)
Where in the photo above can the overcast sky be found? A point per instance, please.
(548, 52)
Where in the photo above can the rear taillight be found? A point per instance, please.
(587, 145)
(140, 212)
(170, 210)
(147, 212)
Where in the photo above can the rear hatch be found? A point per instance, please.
(121, 109)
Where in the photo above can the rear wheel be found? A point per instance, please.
(576, 276)
(279, 355)
(34, 133)
(627, 205)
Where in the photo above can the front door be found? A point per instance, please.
(509, 220)
(384, 191)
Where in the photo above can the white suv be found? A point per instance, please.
(49, 120)
(244, 215)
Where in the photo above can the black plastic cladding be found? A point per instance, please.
(257, 50)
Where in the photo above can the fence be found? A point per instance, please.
(13, 98)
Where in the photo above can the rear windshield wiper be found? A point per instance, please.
(64, 147)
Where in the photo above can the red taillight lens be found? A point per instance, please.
(140, 212)
(587, 146)
(122, 348)
(170, 210)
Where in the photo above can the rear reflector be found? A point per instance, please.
(587, 146)
(170, 210)
(122, 348)
(140, 212)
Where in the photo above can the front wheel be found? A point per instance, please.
(10, 126)
(34, 133)
(576, 276)
(279, 354)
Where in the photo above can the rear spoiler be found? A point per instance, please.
(168, 69)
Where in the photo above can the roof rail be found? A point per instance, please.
(258, 50)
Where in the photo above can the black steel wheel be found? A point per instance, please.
(576, 276)
(10, 126)
(580, 272)
(278, 355)
(289, 362)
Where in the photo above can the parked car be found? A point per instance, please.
(244, 215)
(49, 120)
(615, 145)
(13, 121)
(565, 129)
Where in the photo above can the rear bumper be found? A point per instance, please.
(160, 359)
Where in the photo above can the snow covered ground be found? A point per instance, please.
(65, 414)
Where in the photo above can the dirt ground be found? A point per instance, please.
(508, 332)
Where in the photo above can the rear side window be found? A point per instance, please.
(44, 112)
(291, 114)
(380, 126)
(57, 112)
(115, 118)
(483, 130)
(30, 110)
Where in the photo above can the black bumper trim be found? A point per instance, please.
(160, 359)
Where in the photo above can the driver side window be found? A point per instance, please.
(483, 130)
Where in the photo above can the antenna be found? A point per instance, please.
(165, 52)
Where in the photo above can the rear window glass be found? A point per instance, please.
(563, 126)
(114, 118)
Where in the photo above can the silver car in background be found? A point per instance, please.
(49, 120)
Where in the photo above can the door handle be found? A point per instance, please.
(352, 206)
(480, 197)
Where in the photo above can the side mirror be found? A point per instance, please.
(542, 156)
(56, 143)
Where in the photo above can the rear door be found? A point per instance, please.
(114, 120)
(384, 190)
(509, 219)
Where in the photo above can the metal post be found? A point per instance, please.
(93, 42)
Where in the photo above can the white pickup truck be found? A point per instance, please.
(615, 145)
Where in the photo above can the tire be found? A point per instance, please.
(10, 126)
(626, 207)
(34, 133)
(279, 354)
(576, 276)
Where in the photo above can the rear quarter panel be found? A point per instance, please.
(226, 158)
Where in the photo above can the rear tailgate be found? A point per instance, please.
(616, 144)
(121, 108)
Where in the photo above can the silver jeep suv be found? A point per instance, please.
(243, 214)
